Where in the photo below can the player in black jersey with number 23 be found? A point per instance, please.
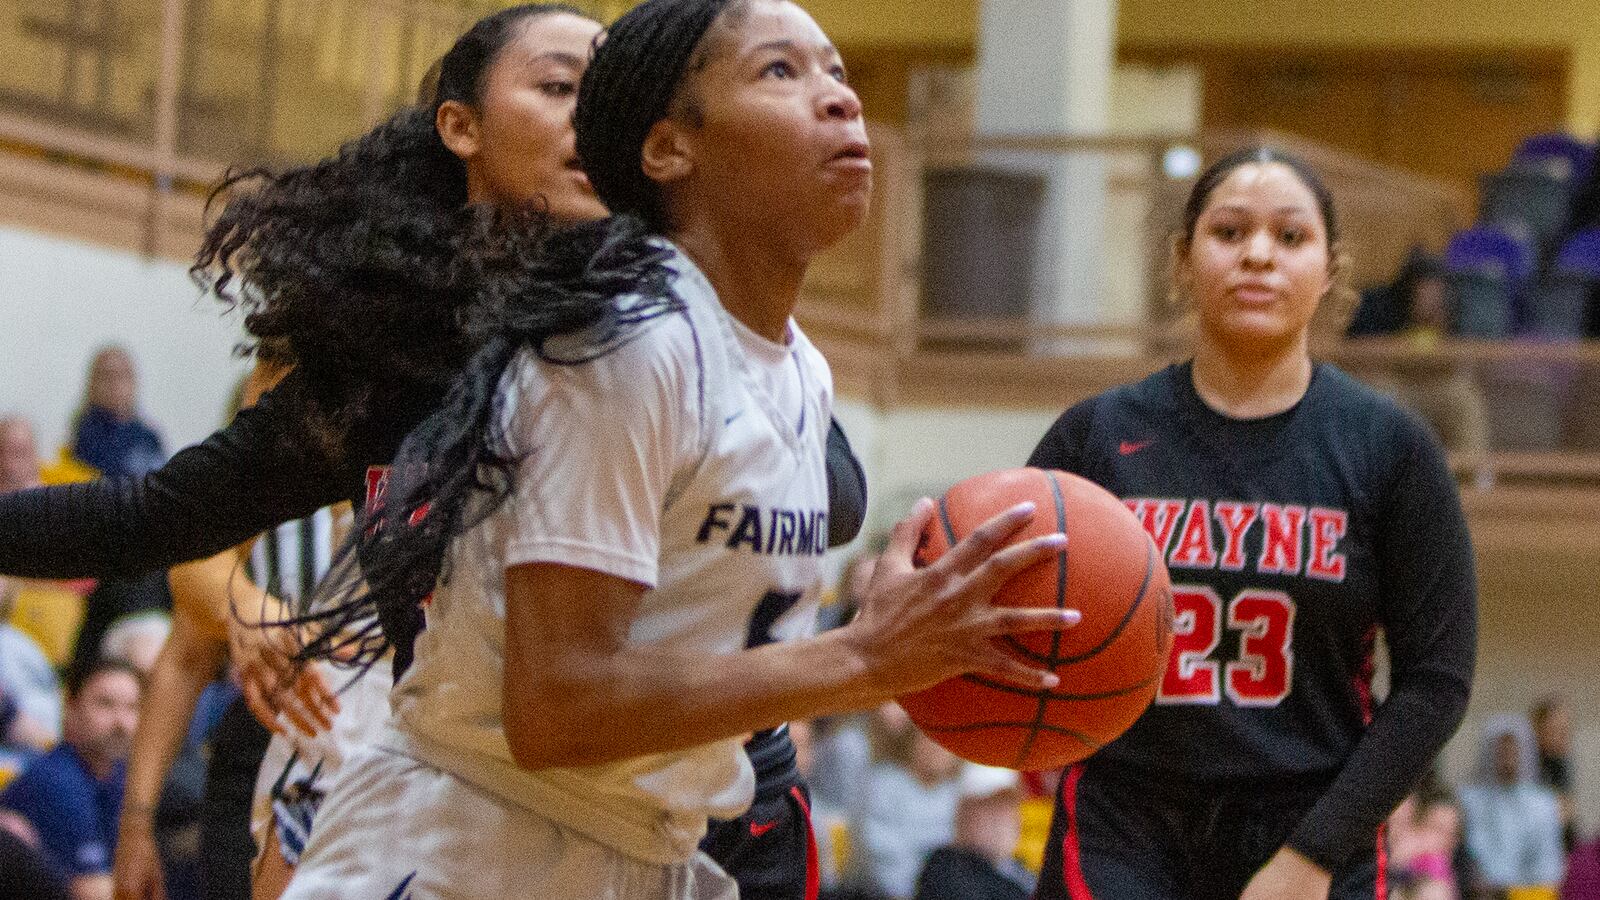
(1301, 515)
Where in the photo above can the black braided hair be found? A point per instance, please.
(355, 263)
(631, 84)
(602, 279)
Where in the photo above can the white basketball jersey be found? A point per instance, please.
(667, 462)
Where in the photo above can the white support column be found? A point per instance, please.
(1044, 67)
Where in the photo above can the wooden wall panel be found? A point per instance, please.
(1451, 114)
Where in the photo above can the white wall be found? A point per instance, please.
(61, 300)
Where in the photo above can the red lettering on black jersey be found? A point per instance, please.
(1236, 519)
(1264, 672)
(377, 485)
(1159, 517)
(1194, 550)
(377, 488)
(1327, 527)
(1191, 674)
(418, 514)
(1280, 542)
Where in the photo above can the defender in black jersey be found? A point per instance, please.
(1295, 532)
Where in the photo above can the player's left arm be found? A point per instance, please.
(1428, 608)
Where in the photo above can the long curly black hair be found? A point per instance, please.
(603, 278)
(362, 264)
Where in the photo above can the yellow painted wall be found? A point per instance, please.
(1570, 24)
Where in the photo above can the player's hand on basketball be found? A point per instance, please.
(136, 867)
(1289, 875)
(919, 626)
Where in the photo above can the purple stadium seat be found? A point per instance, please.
(1581, 253)
(1557, 153)
(1490, 250)
(1562, 304)
(1487, 271)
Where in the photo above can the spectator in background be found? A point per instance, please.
(47, 612)
(905, 807)
(30, 693)
(137, 639)
(19, 455)
(1513, 822)
(119, 600)
(1552, 730)
(979, 864)
(1424, 837)
(73, 794)
(1416, 307)
(108, 434)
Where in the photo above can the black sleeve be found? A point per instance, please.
(24, 873)
(847, 489)
(1429, 611)
(1062, 446)
(240, 481)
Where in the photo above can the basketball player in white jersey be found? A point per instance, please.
(624, 503)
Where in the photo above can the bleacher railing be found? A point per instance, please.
(151, 100)
(117, 114)
(1512, 412)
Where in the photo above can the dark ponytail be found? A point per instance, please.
(355, 263)
(598, 281)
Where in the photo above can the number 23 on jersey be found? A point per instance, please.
(1263, 674)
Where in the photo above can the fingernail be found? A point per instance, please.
(1050, 680)
(1071, 616)
(1056, 541)
(1025, 507)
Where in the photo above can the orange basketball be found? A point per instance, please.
(1110, 663)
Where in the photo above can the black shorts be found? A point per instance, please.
(238, 742)
(769, 850)
(25, 873)
(1120, 838)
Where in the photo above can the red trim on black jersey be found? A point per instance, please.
(1071, 856)
(1381, 891)
(1365, 673)
(813, 874)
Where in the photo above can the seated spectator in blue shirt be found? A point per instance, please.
(30, 693)
(73, 794)
(109, 433)
(979, 864)
(1513, 821)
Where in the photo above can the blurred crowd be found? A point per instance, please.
(894, 814)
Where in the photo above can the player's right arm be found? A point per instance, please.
(189, 660)
(255, 473)
(577, 693)
(601, 446)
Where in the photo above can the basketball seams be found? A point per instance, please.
(1061, 602)
(1078, 736)
(1048, 695)
(944, 520)
(1025, 716)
